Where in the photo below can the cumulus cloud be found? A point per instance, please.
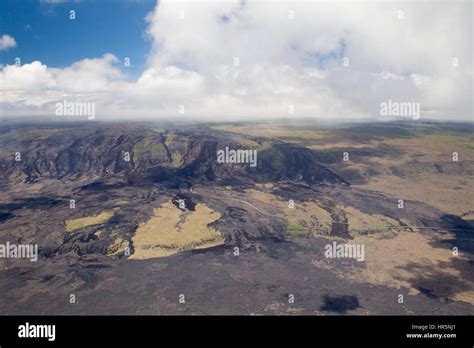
(6, 42)
(234, 59)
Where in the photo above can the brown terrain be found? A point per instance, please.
(234, 239)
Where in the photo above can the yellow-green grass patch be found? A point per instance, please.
(171, 230)
(75, 224)
(118, 246)
(268, 131)
(309, 215)
(360, 223)
(151, 146)
(298, 230)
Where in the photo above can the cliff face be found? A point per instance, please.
(143, 154)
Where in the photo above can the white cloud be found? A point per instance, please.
(282, 62)
(6, 42)
(34, 76)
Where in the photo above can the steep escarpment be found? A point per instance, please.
(142, 154)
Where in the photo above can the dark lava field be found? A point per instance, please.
(140, 218)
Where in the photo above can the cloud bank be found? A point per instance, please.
(248, 60)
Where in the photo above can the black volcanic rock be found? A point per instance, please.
(164, 156)
(286, 161)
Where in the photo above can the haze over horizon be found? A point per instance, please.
(229, 60)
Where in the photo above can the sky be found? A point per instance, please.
(232, 60)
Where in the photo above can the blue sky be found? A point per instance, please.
(44, 32)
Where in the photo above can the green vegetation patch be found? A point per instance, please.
(150, 147)
(298, 230)
(275, 158)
